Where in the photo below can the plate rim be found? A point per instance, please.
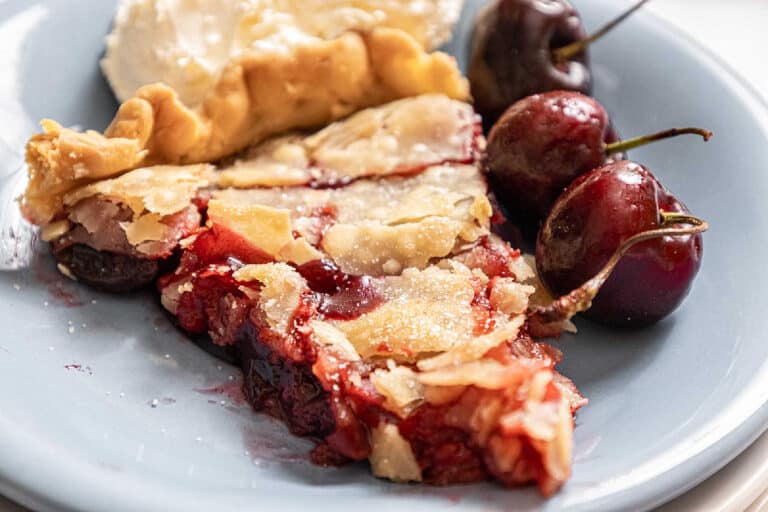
(687, 474)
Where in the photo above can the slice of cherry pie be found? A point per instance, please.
(354, 275)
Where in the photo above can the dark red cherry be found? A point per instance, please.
(545, 141)
(524, 47)
(510, 56)
(619, 223)
(539, 146)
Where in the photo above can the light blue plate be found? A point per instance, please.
(669, 405)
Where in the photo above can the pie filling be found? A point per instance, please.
(433, 365)
(354, 273)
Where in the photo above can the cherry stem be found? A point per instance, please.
(626, 145)
(580, 299)
(568, 52)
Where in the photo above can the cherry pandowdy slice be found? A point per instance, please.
(354, 276)
(443, 350)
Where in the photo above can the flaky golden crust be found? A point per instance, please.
(258, 95)
(60, 159)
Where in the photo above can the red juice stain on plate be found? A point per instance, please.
(79, 368)
(63, 296)
(262, 448)
(58, 288)
(232, 390)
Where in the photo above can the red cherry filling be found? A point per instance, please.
(340, 296)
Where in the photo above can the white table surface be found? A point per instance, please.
(737, 31)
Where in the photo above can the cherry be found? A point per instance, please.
(543, 142)
(524, 47)
(619, 224)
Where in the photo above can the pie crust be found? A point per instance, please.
(257, 96)
(186, 45)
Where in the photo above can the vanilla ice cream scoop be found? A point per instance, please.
(187, 43)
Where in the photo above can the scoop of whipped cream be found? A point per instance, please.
(187, 43)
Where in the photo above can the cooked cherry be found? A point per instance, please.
(543, 142)
(524, 47)
(340, 296)
(618, 238)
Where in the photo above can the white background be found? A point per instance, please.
(737, 30)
